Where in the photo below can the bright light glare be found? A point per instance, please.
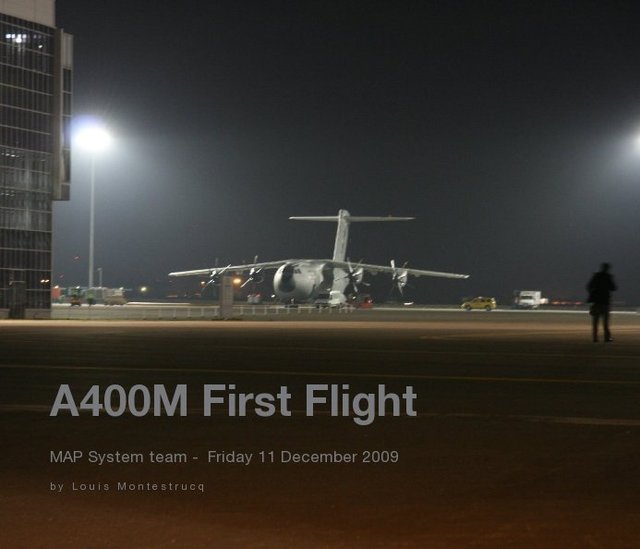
(93, 138)
(636, 142)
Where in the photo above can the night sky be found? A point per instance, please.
(509, 129)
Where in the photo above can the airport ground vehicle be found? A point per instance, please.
(114, 296)
(115, 300)
(75, 296)
(486, 303)
(527, 299)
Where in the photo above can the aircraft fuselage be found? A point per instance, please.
(304, 281)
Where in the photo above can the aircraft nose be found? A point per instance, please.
(287, 282)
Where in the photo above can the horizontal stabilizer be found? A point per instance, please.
(333, 218)
(344, 219)
(380, 218)
(350, 218)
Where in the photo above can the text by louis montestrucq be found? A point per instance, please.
(336, 400)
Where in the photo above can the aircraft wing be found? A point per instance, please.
(388, 269)
(232, 268)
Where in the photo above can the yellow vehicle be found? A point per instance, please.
(486, 303)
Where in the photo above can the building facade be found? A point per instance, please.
(35, 124)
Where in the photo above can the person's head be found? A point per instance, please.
(605, 267)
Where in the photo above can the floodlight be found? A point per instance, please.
(93, 138)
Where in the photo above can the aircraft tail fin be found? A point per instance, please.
(344, 218)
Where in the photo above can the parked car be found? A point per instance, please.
(486, 303)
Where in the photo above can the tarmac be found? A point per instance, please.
(525, 433)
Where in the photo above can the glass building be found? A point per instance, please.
(35, 117)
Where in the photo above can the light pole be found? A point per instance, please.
(94, 139)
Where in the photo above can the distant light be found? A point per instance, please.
(237, 281)
(93, 138)
(144, 289)
(16, 38)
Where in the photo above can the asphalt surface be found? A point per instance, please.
(527, 434)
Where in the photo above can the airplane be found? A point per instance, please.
(316, 280)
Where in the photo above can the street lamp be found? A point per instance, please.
(94, 139)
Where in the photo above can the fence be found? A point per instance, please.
(169, 312)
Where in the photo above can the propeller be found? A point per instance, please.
(215, 275)
(399, 277)
(354, 275)
(255, 274)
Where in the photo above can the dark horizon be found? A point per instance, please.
(507, 130)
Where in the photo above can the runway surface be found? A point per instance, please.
(526, 434)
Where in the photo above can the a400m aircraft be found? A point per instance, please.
(310, 280)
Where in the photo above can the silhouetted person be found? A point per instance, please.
(600, 287)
